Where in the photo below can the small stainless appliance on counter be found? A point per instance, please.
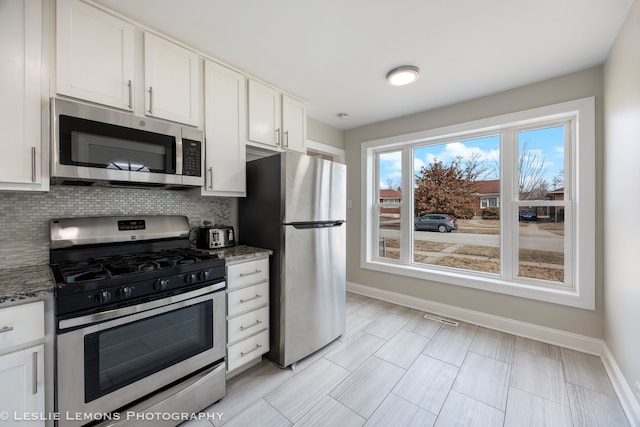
(136, 310)
(296, 206)
(215, 237)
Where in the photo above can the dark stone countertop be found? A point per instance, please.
(24, 283)
(241, 253)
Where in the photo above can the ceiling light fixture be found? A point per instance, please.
(403, 75)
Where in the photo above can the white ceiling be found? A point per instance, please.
(335, 53)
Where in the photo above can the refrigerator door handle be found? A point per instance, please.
(315, 224)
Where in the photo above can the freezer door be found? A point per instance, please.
(314, 189)
(313, 286)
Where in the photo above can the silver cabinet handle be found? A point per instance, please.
(286, 138)
(6, 329)
(242, 301)
(278, 136)
(150, 100)
(33, 164)
(250, 274)
(34, 382)
(211, 178)
(130, 95)
(257, 347)
(244, 328)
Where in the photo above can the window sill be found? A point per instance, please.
(554, 295)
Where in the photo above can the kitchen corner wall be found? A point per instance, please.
(24, 217)
(565, 88)
(622, 199)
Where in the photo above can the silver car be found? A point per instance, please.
(443, 223)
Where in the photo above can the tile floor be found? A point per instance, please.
(392, 367)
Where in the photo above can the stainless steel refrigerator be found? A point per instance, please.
(296, 206)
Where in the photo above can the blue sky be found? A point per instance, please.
(548, 143)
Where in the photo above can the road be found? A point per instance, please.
(531, 237)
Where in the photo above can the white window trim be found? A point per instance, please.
(582, 295)
(320, 147)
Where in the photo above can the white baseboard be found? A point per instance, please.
(625, 393)
(527, 330)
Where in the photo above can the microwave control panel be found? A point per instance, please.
(191, 157)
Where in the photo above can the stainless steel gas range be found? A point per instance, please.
(140, 320)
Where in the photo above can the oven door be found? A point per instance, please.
(104, 366)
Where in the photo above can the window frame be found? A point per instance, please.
(579, 210)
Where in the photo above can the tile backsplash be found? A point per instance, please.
(24, 217)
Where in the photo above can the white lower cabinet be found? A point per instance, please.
(247, 312)
(247, 350)
(22, 365)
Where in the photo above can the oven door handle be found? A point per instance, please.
(140, 310)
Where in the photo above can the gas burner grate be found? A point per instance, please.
(101, 268)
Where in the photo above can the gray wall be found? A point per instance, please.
(621, 197)
(320, 132)
(24, 217)
(578, 85)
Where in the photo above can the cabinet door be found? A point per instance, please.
(264, 114)
(225, 131)
(21, 163)
(172, 81)
(23, 371)
(294, 124)
(94, 55)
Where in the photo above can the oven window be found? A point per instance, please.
(117, 357)
(102, 145)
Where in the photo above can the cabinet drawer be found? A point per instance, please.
(247, 324)
(248, 298)
(20, 324)
(247, 350)
(247, 273)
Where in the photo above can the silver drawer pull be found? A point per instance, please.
(244, 328)
(34, 373)
(250, 274)
(257, 347)
(242, 301)
(6, 329)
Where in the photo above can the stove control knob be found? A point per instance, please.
(190, 278)
(203, 275)
(102, 297)
(161, 284)
(124, 292)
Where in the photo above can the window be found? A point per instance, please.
(504, 204)
(489, 202)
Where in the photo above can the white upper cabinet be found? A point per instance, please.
(225, 131)
(172, 81)
(276, 121)
(95, 61)
(24, 160)
(95, 55)
(264, 114)
(294, 124)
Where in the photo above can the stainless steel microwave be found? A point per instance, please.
(93, 145)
